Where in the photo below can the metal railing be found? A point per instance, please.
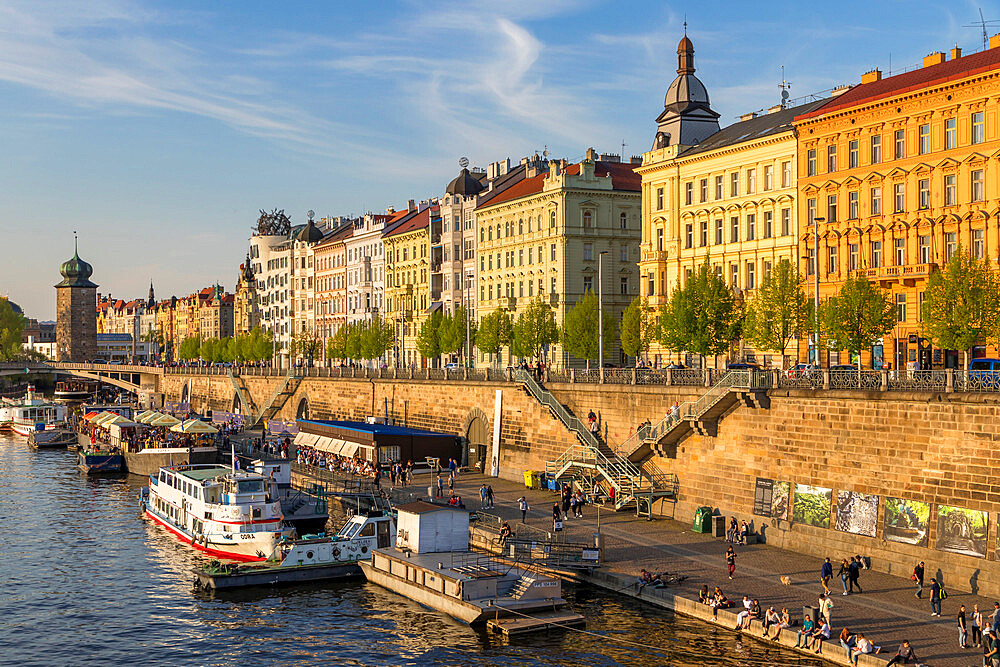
(845, 379)
(572, 422)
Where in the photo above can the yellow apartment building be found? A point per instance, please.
(407, 281)
(894, 176)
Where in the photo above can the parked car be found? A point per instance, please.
(802, 370)
(742, 365)
(843, 367)
(452, 366)
(985, 372)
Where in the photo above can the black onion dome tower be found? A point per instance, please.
(687, 116)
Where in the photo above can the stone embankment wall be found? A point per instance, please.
(925, 447)
(529, 434)
(935, 448)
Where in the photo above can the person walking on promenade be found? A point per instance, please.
(904, 654)
(489, 496)
(731, 561)
(963, 630)
(522, 504)
(935, 597)
(482, 496)
(918, 577)
(854, 571)
(439, 487)
(977, 626)
(565, 500)
(844, 573)
(557, 524)
(825, 574)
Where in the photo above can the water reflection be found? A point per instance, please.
(89, 582)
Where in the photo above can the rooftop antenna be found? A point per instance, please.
(784, 85)
(76, 245)
(981, 24)
(545, 151)
(463, 162)
(623, 149)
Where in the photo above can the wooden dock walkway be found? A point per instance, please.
(510, 625)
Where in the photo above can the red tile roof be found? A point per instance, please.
(925, 77)
(417, 220)
(623, 177)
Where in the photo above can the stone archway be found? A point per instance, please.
(237, 406)
(476, 430)
(186, 392)
(302, 409)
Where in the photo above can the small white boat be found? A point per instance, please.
(33, 414)
(217, 509)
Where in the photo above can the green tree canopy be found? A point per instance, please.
(428, 338)
(778, 311)
(260, 345)
(535, 328)
(337, 343)
(452, 336)
(858, 315)
(962, 304)
(703, 316)
(304, 344)
(638, 328)
(11, 330)
(189, 348)
(377, 337)
(579, 333)
(494, 332)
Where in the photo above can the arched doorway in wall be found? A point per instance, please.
(477, 435)
(186, 392)
(237, 407)
(302, 411)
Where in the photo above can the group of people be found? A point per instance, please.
(334, 462)
(849, 573)
(737, 533)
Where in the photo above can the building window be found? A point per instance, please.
(950, 190)
(718, 231)
(811, 261)
(703, 234)
(977, 185)
(552, 220)
(925, 249)
(588, 219)
(853, 248)
(623, 253)
(786, 174)
(751, 227)
(811, 162)
(876, 200)
(831, 158)
(876, 254)
(900, 251)
(703, 190)
(768, 224)
(852, 154)
(734, 229)
(831, 259)
(923, 194)
(719, 187)
(659, 240)
(624, 286)
(831, 208)
(950, 130)
(811, 210)
(786, 221)
(520, 257)
(852, 205)
(588, 251)
(950, 245)
(899, 137)
(876, 146)
(688, 193)
(553, 252)
(659, 199)
(899, 197)
(734, 276)
(768, 177)
(978, 128)
(751, 268)
(588, 284)
(651, 284)
(623, 220)
(977, 243)
(901, 307)
(734, 184)
(751, 181)
(689, 235)
(924, 139)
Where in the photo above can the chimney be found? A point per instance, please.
(390, 210)
(591, 154)
(554, 168)
(748, 116)
(995, 40)
(872, 76)
(411, 205)
(956, 52)
(935, 58)
(504, 166)
(775, 109)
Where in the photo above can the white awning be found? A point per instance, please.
(321, 443)
(336, 446)
(303, 439)
(349, 449)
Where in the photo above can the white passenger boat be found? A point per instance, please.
(217, 509)
(32, 414)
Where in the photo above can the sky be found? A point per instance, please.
(158, 131)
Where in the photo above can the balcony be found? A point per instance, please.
(654, 255)
(908, 274)
(511, 303)
(553, 300)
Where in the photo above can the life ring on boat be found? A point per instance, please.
(336, 552)
(364, 548)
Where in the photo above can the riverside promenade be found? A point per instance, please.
(886, 613)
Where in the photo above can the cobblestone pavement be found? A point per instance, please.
(886, 612)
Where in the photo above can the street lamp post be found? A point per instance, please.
(600, 312)
(468, 325)
(816, 222)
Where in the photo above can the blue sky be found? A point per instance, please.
(157, 130)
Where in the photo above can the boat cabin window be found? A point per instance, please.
(163, 476)
(368, 531)
(251, 486)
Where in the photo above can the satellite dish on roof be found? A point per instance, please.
(784, 94)
(310, 213)
(463, 162)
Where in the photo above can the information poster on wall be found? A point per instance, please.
(906, 521)
(857, 513)
(961, 531)
(779, 500)
(762, 496)
(812, 505)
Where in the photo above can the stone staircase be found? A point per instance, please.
(592, 460)
(286, 389)
(246, 400)
(736, 387)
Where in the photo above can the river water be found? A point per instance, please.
(86, 581)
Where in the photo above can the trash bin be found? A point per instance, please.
(810, 612)
(719, 525)
(531, 479)
(702, 520)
